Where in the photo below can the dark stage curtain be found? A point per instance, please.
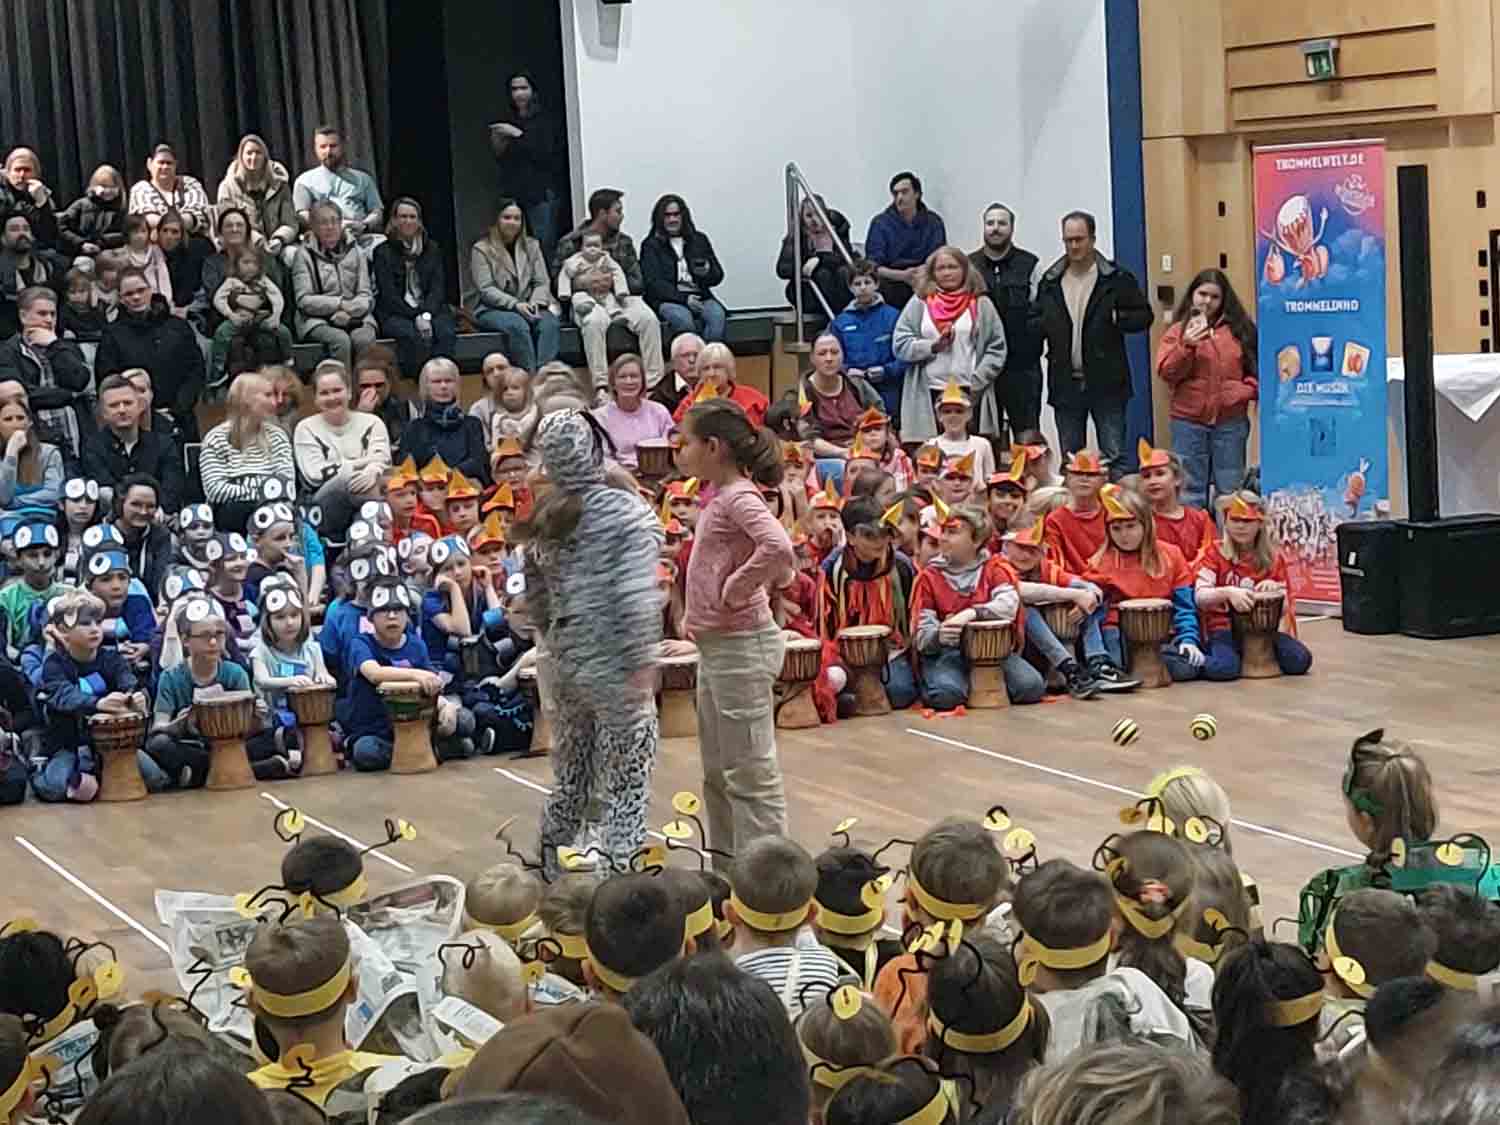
(90, 82)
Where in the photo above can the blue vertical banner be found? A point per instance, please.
(1320, 254)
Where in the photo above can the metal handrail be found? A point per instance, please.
(797, 189)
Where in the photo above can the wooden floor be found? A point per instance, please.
(1280, 752)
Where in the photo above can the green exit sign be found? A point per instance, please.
(1320, 58)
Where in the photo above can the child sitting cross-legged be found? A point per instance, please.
(273, 527)
(285, 656)
(634, 924)
(81, 679)
(504, 899)
(773, 881)
(35, 544)
(129, 615)
(848, 881)
(1006, 493)
(564, 906)
(1075, 532)
(1374, 936)
(1466, 929)
(1190, 530)
(389, 654)
(228, 568)
(840, 1044)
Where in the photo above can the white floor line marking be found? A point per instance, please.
(93, 894)
(331, 830)
(529, 784)
(1081, 779)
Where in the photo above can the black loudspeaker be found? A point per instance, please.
(1447, 569)
(1370, 575)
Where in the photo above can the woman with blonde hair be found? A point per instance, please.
(948, 331)
(244, 451)
(716, 368)
(31, 471)
(263, 188)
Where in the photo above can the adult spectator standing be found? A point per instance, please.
(374, 388)
(902, 237)
(824, 265)
(606, 214)
(263, 188)
(22, 192)
(53, 371)
(1208, 359)
(530, 150)
(95, 221)
(409, 290)
(166, 189)
(1088, 304)
(244, 451)
(23, 264)
(146, 334)
(866, 330)
(679, 269)
(119, 448)
(331, 287)
(352, 191)
(340, 452)
(948, 330)
(512, 291)
(443, 428)
(1011, 274)
(628, 418)
(148, 545)
(679, 381)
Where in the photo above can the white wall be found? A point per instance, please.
(711, 98)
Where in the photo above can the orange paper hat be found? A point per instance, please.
(1013, 477)
(929, 457)
(673, 528)
(435, 471)
(891, 517)
(487, 533)
(859, 451)
(461, 487)
(1114, 508)
(509, 447)
(1152, 458)
(872, 419)
(791, 453)
(804, 404)
(1028, 536)
(962, 467)
(1084, 461)
(405, 475)
(707, 389)
(1240, 509)
(828, 498)
(682, 489)
(953, 395)
(1028, 452)
(503, 497)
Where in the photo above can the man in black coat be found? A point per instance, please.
(23, 264)
(1088, 304)
(52, 370)
(119, 448)
(148, 544)
(22, 192)
(146, 334)
(1011, 274)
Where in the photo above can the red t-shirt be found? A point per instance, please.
(1213, 569)
(1122, 577)
(1074, 539)
(1190, 532)
(420, 521)
(933, 591)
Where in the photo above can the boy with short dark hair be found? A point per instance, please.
(634, 924)
(36, 546)
(388, 654)
(1466, 928)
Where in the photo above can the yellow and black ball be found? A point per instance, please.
(1126, 731)
(1204, 727)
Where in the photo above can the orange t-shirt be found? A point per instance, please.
(1122, 576)
(1190, 532)
(1216, 570)
(1073, 539)
(908, 1013)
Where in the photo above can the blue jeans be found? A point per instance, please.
(709, 323)
(541, 218)
(412, 350)
(900, 682)
(1042, 646)
(528, 344)
(1177, 667)
(945, 679)
(1214, 453)
(1109, 426)
(51, 781)
(1223, 661)
(371, 752)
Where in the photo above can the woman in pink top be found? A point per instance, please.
(740, 554)
(629, 418)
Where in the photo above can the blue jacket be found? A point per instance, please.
(897, 244)
(866, 336)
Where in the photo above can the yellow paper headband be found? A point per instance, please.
(1290, 1013)
(827, 1074)
(938, 908)
(988, 1043)
(574, 946)
(1152, 928)
(508, 931)
(934, 1112)
(1453, 978)
(1350, 971)
(35, 1067)
(617, 982)
(292, 1005)
(849, 925)
(700, 921)
(769, 923)
(357, 891)
(1034, 953)
(104, 983)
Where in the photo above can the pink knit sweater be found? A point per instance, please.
(739, 550)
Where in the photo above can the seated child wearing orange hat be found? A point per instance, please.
(869, 582)
(1006, 499)
(825, 527)
(875, 429)
(964, 584)
(460, 505)
(400, 482)
(957, 480)
(511, 466)
(954, 411)
(1075, 533)
(1190, 530)
(432, 490)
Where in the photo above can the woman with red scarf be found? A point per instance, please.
(948, 330)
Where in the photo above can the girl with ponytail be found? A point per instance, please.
(741, 556)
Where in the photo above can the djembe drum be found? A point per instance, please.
(1146, 624)
(799, 671)
(313, 707)
(410, 710)
(117, 739)
(1255, 634)
(986, 644)
(1059, 618)
(863, 651)
(225, 720)
(679, 696)
(541, 726)
(653, 459)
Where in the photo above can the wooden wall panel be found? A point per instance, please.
(1183, 90)
(1397, 51)
(1248, 22)
(1394, 92)
(1465, 57)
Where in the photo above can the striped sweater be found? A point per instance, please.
(231, 474)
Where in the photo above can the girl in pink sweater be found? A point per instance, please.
(740, 554)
